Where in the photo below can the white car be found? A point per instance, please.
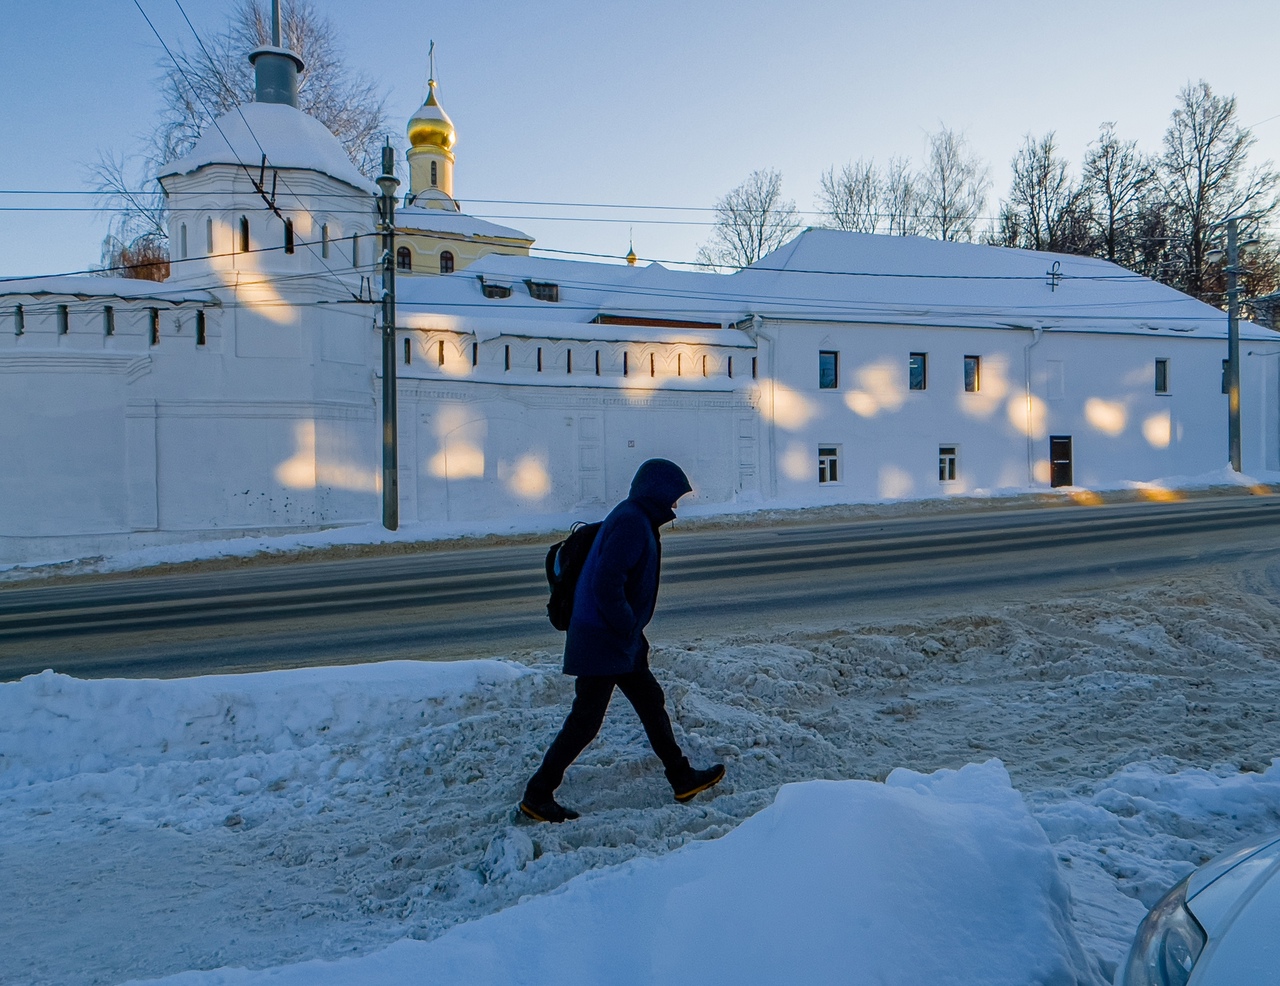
(1218, 927)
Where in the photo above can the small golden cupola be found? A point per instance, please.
(431, 138)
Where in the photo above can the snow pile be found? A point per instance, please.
(942, 879)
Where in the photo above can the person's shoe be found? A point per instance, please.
(546, 811)
(697, 781)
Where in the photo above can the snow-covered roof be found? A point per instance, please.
(289, 138)
(829, 275)
(454, 223)
(124, 288)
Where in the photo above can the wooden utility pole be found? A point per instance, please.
(388, 183)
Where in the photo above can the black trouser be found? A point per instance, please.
(590, 703)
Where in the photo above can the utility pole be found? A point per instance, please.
(1233, 344)
(388, 183)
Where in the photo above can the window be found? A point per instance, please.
(494, 290)
(947, 463)
(1162, 376)
(568, 361)
(408, 352)
(541, 291)
(154, 314)
(625, 367)
(828, 370)
(828, 463)
(704, 364)
(64, 321)
(244, 234)
(355, 250)
(288, 236)
(182, 240)
(653, 366)
(200, 337)
(20, 320)
(434, 174)
(729, 367)
(506, 357)
(755, 361)
(440, 352)
(1226, 374)
(539, 359)
(446, 262)
(972, 374)
(475, 354)
(108, 320)
(324, 241)
(208, 235)
(597, 362)
(404, 259)
(916, 370)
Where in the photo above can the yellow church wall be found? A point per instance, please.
(425, 250)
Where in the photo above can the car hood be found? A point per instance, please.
(1236, 899)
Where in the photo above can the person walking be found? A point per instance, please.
(606, 647)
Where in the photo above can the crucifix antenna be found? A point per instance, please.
(431, 59)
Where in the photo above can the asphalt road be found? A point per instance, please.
(481, 602)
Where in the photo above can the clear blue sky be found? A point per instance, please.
(660, 103)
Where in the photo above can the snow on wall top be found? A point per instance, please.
(829, 275)
(128, 289)
(457, 223)
(289, 138)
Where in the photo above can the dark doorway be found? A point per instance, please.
(1060, 460)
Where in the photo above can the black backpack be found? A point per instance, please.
(564, 564)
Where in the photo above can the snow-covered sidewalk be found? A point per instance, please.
(364, 814)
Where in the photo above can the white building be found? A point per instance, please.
(241, 396)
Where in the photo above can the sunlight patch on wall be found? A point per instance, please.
(298, 472)
(527, 477)
(994, 387)
(1018, 409)
(797, 464)
(895, 482)
(879, 388)
(1109, 417)
(791, 409)
(459, 459)
(1042, 471)
(1158, 430)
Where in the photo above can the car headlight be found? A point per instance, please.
(1168, 943)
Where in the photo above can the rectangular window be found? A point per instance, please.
(568, 361)
(506, 357)
(109, 320)
(730, 367)
(597, 362)
(625, 367)
(183, 239)
(20, 320)
(324, 241)
(542, 291)
(653, 366)
(154, 315)
(972, 374)
(475, 354)
(754, 363)
(495, 291)
(1162, 376)
(704, 364)
(408, 352)
(64, 321)
(288, 236)
(539, 359)
(947, 463)
(440, 352)
(1226, 388)
(200, 337)
(208, 235)
(916, 368)
(828, 370)
(828, 463)
(355, 251)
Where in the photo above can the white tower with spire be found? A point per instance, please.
(431, 138)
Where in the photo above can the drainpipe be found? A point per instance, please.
(1037, 333)
(758, 333)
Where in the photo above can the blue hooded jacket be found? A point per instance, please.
(618, 588)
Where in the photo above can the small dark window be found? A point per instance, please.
(355, 250)
(828, 370)
(916, 369)
(20, 320)
(200, 337)
(653, 367)
(625, 367)
(404, 259)
(754, 364)
(679, 364)
(154, 314)
(208, 235)
(539, 359)
(704, 364)
(1162, 376)
(542, 291)
(244, 234)
(828, 464)
(496, 291)
(475, 354)
(433, 174)
(324, 241)
(947, 463)
(440, 352)
(506, 357)
(182, 239)
(64, 321)
(597, 362)
(730, 367)
(568, 361)
(109, 320)
(972, 374)
(408, 352)
(288, 236)
(446, 263)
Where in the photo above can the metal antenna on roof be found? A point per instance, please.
(431, 60)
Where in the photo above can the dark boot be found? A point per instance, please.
(688, 785)
(546, 810)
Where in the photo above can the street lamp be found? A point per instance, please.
(387, 184)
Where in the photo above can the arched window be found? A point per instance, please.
(324, 241)
(446, 262)
(244, 234)
(182, 237)
(404, 259)
(208, 235)
(288, 236)
(355, 250)
(433, 174)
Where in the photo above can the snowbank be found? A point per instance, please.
(941, 879)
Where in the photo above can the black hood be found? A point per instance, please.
(658, 484)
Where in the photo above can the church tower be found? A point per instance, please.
(431, 139)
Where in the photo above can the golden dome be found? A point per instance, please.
(431, 126)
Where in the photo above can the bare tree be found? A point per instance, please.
(1206, 178)
(1044, 204)
(751, 220)
(208, 78)
(852, 198)
(954, 187)
(1118, 181)
(901, 198)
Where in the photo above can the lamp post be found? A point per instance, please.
(387, 184)
(1233, 270)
